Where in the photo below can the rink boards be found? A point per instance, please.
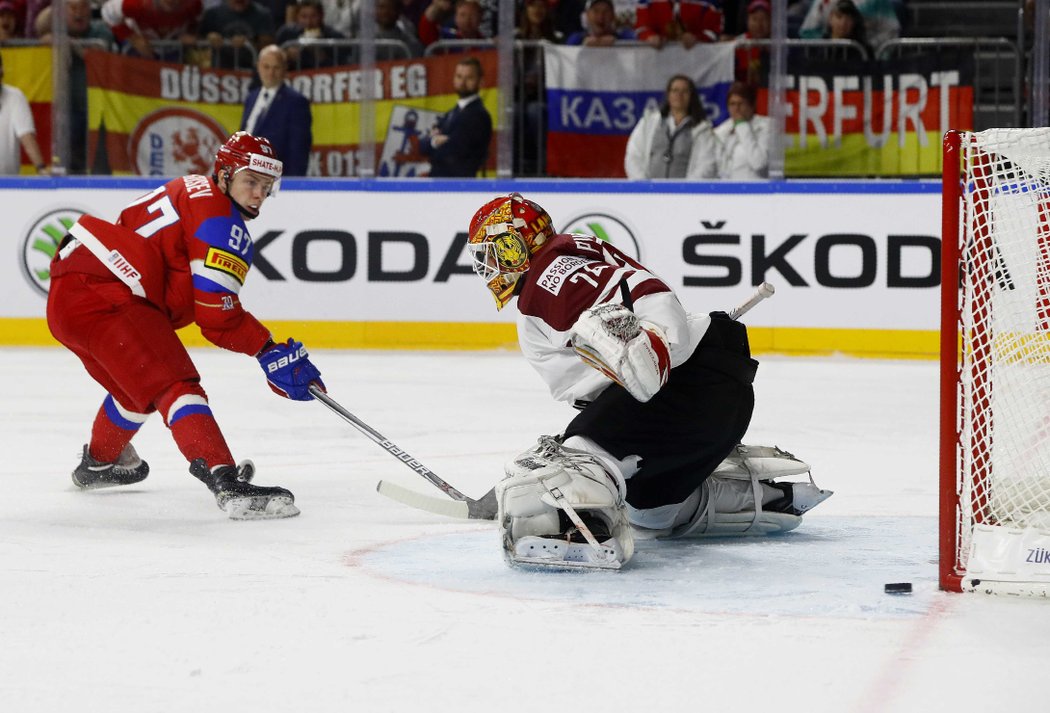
(381, 264)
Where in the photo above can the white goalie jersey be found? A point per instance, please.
(569, 276)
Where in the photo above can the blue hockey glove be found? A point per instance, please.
(289, 371)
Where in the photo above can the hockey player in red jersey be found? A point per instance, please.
(177, 255)
(665, 399)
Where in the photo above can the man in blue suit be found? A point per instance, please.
(459, 143)
(279, 113)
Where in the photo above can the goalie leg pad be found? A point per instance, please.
(762, 462)
(561, 508)
(727, 509)
(742, 496)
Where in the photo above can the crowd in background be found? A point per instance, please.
(196, 29)
(135, 26)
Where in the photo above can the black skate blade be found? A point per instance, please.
(260, 507)
(108, 481)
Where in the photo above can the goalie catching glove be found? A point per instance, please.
(631, 352)
(288, 370)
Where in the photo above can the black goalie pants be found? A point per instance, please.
(689, 427)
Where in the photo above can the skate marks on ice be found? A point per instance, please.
(830, 567)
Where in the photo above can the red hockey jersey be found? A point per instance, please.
(669, 18)
(183, 247)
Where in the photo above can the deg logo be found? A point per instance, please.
(175, 142)
(40, 243)
(608, 228)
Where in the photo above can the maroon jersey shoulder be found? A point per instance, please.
(572, 273)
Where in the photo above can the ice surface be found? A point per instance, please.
(148, 599)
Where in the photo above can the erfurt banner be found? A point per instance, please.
(29, 69)
(882, 118)
(159, 119)
(596, 95)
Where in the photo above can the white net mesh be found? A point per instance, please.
(1004, 330)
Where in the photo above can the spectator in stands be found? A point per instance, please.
(535, 22)
(17, 130)
(743, 138)
(601, 28)
(279, 113)
(239, 21)
(459, 143)
(412, 10)
(466, 21)
(846, 23)
(342, 15)
(674, 141)
(880, 20)
(309, 25)
(9, 29)
(140, 23)
(79, 26)
(568, 16)
(32, 8)
(685, 21)
(282, 11)
(390, 25)
(752, 62)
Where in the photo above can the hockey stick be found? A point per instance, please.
(484, 508)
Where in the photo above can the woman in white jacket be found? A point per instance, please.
(674, 141)
(743, 138)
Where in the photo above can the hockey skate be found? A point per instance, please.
(127, 469)
(238, 498)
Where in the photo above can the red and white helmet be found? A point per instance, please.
(242, 150)
(504, 234)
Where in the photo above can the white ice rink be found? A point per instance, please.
(149, 600)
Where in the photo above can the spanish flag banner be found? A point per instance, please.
(161, 119)
(29, 69)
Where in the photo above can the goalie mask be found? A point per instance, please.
(503, 235)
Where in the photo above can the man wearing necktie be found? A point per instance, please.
(459, 143)
(279, 113)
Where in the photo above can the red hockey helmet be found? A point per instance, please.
(504, 234)
(242, 150)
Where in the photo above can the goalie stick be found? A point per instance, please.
(484, 508)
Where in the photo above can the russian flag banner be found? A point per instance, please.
(596, 95)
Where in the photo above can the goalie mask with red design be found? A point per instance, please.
(244, 151)
(504, 234)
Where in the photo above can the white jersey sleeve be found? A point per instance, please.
(570, 379)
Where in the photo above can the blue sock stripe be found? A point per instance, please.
(128, 420)
(188, 410)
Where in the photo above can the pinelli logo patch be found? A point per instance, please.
(225, 262)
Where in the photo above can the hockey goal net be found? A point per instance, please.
(995, 362)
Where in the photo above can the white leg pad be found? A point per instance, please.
(727, 508)
(550, 485)
(761, 462)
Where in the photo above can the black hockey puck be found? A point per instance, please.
(897, 588)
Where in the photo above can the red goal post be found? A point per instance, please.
(995, 362)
